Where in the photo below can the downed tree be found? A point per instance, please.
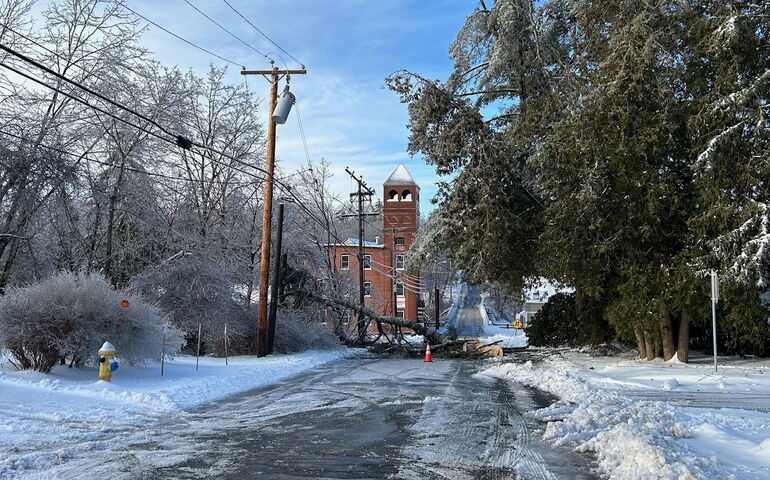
(472, 349)
(436, 339)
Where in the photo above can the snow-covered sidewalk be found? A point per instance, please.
(656, 420)
(47, 419)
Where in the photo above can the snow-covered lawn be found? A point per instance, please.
(656, 420)
(47, 419)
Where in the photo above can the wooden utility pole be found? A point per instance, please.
(363, 190)
(272, 76)
(276, 282)
(438, 309)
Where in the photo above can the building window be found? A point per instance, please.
(400, 289)
(399, 314)
(367, 289)
(399, 241)
(367, 262)
(400, 262)
(406, 195)
(392, 195)
(344, 262)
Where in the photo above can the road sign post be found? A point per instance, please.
(714, 300)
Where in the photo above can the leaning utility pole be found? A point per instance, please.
(363, 190)
(272, 76)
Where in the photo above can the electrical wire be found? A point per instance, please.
(227, 31)
(263, 33)
(118, 105)
(123, 4)
(283, 186)
(86, 158)
(53, 52)
(302, 132)
(84, 88)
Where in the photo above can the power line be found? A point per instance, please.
(123, 4)
(178, 138)
(263, 34)
(84, 157)
(101, 110)
(78, 99)
(84, 88)
(227, 31)
(59, 55)
(302, 132)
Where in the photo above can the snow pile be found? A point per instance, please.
(636, 439)
(181, 386)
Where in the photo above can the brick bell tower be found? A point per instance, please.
(401, 213)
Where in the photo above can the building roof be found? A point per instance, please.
(400, 176)
(353, 242)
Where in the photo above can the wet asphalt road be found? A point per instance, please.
(469, 321)
(360, 419)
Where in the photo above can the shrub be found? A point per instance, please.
(556, 323)
(197, 290)
(71, 316)
(294, 334)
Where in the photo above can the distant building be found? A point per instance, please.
(387, 259)
(534, 298)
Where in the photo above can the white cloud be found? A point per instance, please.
(349, 46)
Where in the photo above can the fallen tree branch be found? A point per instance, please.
(431, 335)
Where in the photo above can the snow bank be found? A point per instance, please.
(636, 439)
(45, 419)
(181, 386)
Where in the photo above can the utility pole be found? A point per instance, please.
(363, 190)
(272, 76)
(276, 282)
(438, 309)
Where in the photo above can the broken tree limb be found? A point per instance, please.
(431, 335)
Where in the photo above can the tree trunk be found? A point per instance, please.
(683, 350)
(666, 332)
(649, 346)
(640, 345)
(431, 335)
(112, 206)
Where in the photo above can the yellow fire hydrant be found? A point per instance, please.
(107, 362)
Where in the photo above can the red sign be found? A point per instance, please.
(124, 304)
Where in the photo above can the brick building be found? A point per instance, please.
(386, 260)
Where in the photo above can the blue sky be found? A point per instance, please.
(349, 47)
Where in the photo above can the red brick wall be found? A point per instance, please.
(400, 219)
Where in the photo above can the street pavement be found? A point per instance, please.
(469, 322)
(362, 418)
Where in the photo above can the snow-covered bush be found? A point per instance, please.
(195, 290)
(294, 334)
(69, 316)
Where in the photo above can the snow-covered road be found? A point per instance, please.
(358, 418)
(472, 321)
(469, 321)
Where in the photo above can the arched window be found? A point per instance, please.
(392, 196)
(406, 195)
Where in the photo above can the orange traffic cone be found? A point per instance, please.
(428, 357)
